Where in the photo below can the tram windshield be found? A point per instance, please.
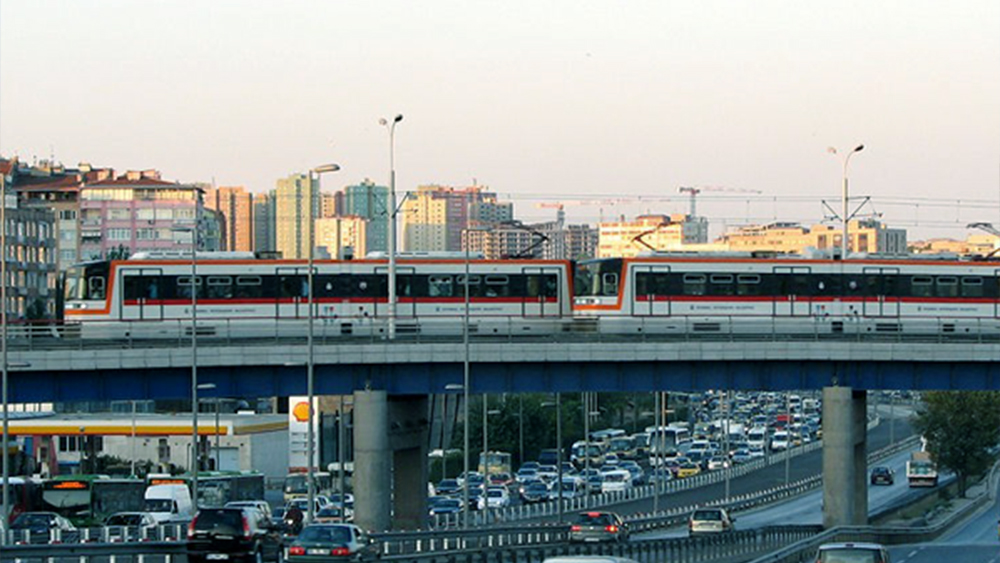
(86, 281)
(595, 278)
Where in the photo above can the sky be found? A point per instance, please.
(574, 101)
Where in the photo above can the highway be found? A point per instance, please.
(975, 541)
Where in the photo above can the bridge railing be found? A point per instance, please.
(438, 329)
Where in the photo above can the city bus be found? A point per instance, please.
(297, 484)
(494, 463)
(87, 500)
(216, 488)
(666, 439)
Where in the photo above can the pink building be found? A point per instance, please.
(140, 212)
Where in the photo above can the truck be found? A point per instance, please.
(921, 470)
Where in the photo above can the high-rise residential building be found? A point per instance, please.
(297, 199)
(502, 241)
(341, 237)
(141, 212)
(51, 186)
(581, 242)
(331, 204)
(650, 232)
(236, 206)
(370, 202)
(434, 217)
(264, 221)
(31, 259)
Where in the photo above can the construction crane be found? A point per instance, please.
(695, 190)
(560, 205)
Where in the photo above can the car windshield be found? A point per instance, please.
(159, 505)
(326, 534)
(850, 555)
(538, 486)
(124, 520)
(594, 519)
(493, 493)
(707, 515)
(28, 520)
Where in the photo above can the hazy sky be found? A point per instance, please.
(535, 99)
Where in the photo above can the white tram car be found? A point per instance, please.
(742, 294)
(150, 296)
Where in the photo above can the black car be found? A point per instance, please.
(232, 534)
(882, 475)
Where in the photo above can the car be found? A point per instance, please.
(710, 521)
(331, 514)
(718, 462)
(598, 527)
(661, 475)
(526, 474)
(496, 497)
(530, 465)
(41, 526)
(548, 473)
(325, 542)
(232, 534)
(638, 475)
(448, 487)
(501, 480)
(548, 457)
(260, 505)
(852, 552)
(742, 456)
(536, 491)
(348, 500)
(618, 480)
(444, 505)
(130, 526)
(611, 459)
(882, 475)
(687, 468)
(475, 496)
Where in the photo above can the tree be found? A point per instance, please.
(961, 428)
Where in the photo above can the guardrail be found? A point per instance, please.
(445, 328)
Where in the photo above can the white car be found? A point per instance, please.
(779, 442)
(496, 497)
(617, 480)
(710, 521)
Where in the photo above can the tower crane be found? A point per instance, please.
(693, 191)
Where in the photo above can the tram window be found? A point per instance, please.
(142, 287)
(972, 287)
(95, 288)
(922, 286)
(439, 286)
(649, 283)
(249, 286)
(721, 284)
(947, 286)
(694, 284)
(220, 287)
(609, 284)
(748, 284)
(497, 286)
(184, 286)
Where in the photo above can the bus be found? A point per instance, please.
(216, 488)
(605, 436)
(494, 463)
(297, 484)
(665, 439)
(25, 496)
(86, 500)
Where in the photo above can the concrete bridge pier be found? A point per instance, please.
(390, 461)
(845, 464)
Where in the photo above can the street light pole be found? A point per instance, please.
(844, 245)
(559, 453)
(391, 228)
(4, 521)
(310, 364)
(466, 383)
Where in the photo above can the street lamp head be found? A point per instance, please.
(326, 168)
(859, 148)
(382, 121)
(398, 118)
(831, 150)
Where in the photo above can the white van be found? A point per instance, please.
(169, 503)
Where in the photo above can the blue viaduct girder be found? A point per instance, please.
(511, 367)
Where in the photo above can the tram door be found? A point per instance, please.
(651, 291)
(406, 302)
(881, 295)
(793, 292)
(541, 292)
(996, 302)
(142, 296)
(292, 298)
